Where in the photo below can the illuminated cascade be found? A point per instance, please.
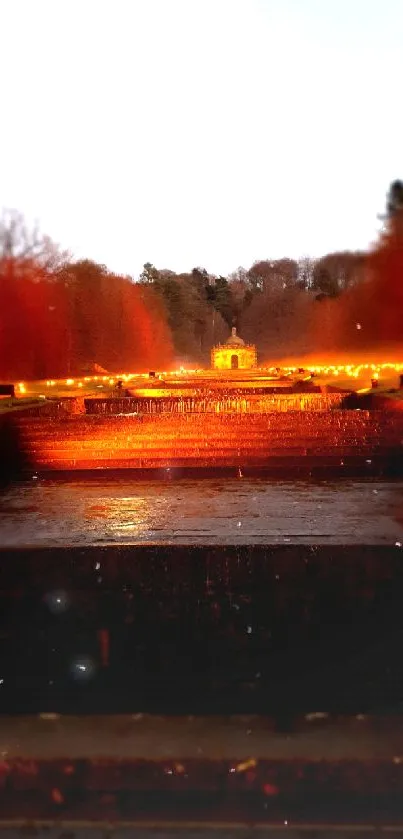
(216, 419)
(213, 440)
(246, 403)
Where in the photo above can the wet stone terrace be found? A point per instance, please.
(121, 510)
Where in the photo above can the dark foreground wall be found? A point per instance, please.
(173, 790)
(236, 770)
(13, 458)
(168, 829)
(303, 636)
(277, 629)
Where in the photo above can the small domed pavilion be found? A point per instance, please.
(234, 354)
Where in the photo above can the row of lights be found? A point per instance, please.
(331, 369)
(350, 369)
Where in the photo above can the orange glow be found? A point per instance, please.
(246, 764)
(218, 439)
(222, 356)
(344, 373)
(210, 418)
(345, 369)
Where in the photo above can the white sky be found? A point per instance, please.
(201, 132)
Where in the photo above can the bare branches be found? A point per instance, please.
(26, 246)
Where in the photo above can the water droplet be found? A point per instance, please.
(83, 669)
(57, 602)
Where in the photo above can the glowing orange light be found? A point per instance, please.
(246, 764)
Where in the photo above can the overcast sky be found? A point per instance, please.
(201, 132)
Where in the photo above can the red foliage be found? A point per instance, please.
(369, 315)
(52, 325)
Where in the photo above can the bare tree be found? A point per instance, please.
(394, 203)
(22, 246)
(306, 267)
(274, 274)
(336, 272)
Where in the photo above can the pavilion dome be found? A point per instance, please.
(234, 340)
(234, 354)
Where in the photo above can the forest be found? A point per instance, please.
(62, 317)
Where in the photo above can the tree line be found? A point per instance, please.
(59, 316)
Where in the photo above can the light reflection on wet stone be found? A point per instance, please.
(90, 512)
